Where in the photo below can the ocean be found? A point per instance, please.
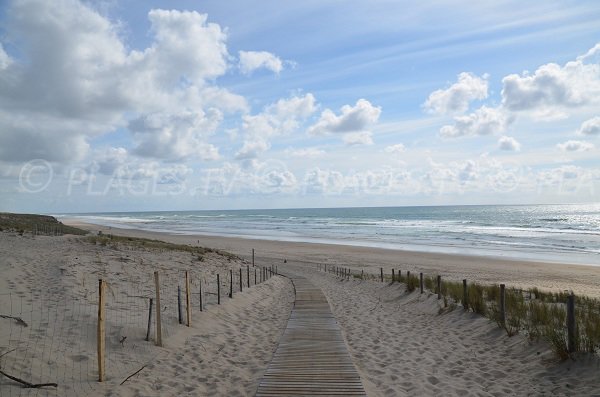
(555, 233)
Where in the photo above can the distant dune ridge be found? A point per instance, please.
(37, 224)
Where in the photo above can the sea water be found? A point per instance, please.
(556, 233)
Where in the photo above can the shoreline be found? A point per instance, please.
(581, 279)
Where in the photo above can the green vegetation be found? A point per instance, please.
(38, 224)
(412, 283)
(538, 314)
(535, 313)
(138, 242)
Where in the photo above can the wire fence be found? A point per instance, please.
(569, 323)
(50, 336)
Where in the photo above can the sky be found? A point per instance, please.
(189, 105)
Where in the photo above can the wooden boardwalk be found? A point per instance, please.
(311, 359)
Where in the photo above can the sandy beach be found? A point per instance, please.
(580, 279)
(50, 283)
(401, 343)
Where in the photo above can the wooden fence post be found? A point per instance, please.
(381, 271)
(231, 283)
(218, 290)
(101, 330)
(149, 320)
(254, 276)
(248, 275)
(241, 278)
(421, 281)
(158, 323)
(252, 256)
(179, 305)
(465, 295)
(407, 276)
(399, 275)
(188, 303)
(201, 295)
(502, 304)
(439, 286)
(393, 276)
(571, 323)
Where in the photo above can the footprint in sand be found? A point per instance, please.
(433, 380)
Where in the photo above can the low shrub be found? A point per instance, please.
(476, 300)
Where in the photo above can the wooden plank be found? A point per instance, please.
(311, 358)
(101, 333)
(188, 303)
(158, 322)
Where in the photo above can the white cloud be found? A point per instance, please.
(252, 149)
(108, 161)
(253, 60)
(553, 88)
(508, 143)
(481, 174)
(5, 60)
(468, 172)
(590, 127)
(25, 136)
(484, 121)
(267, 177)
(355, 118)
(278, 181)
(456, 98)
(176, 136)
(591, 53)
(310, 152)
(281, 117)
(575, 146)
(358, 138)
(185, 45)
(80, 80)
(568, 179)
(324, 181)
(396, 149)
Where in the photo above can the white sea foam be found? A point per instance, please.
(551, 233)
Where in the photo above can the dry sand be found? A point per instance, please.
(400, 343)
(51, 283)
(403, 346)
(556, 277)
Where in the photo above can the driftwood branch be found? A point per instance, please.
(27, 384)
(5, 353)
(19, 320)
(132, 375)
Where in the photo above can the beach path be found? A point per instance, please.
(311, 359)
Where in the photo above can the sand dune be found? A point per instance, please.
(403, 346)
(401, 343)
(51, 284)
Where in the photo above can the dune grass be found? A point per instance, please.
(535, 313)
(139, 242)
(30, 223)
(538, 314)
